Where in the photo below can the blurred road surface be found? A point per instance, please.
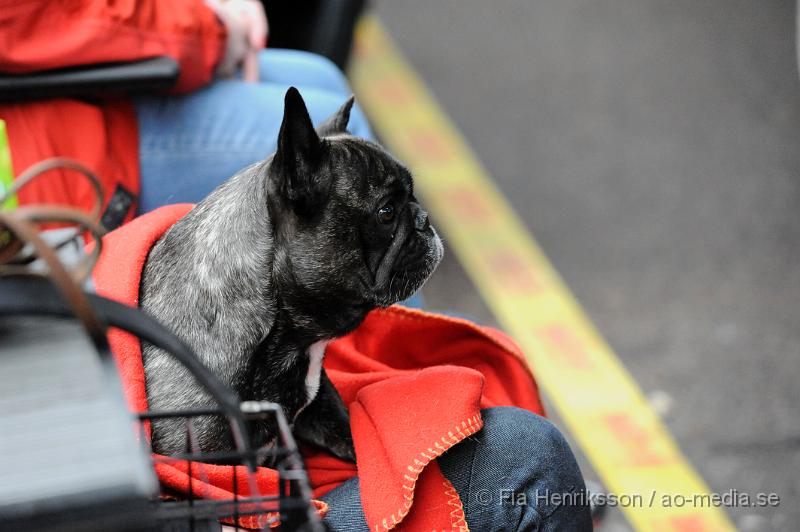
(652, 149)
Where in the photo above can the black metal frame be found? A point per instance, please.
(292, 502)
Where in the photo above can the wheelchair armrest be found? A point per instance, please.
(90, 80)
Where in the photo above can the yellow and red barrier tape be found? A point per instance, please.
(602, 406)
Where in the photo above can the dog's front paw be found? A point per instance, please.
(344, 449)
(325, 423)
(332, 437)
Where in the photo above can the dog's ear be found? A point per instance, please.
(296, 162)
(337, 122)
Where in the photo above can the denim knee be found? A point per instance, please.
(297, 67)
(501, 474)
(328, 73)
(515, 472)
(515, 435)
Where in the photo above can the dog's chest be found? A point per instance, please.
(316, 352)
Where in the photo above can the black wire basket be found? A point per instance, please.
(289, 508)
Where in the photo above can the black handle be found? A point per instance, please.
(91, 80)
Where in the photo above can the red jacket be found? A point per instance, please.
(414, 383)
(43, 34)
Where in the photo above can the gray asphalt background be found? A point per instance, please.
(652, 149)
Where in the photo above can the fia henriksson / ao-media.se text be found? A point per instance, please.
(732, 498)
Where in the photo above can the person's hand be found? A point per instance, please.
(247, 28)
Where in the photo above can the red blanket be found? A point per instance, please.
(415, 383)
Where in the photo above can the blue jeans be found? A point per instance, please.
(189, 144)
(518, 473)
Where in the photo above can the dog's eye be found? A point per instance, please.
(386, 214)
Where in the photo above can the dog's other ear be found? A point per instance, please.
(337, 122)
(296, 162)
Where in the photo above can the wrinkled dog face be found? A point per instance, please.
(343, 206)
(400, 247)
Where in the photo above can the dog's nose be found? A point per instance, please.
(421, 222)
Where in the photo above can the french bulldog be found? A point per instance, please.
(284, 256)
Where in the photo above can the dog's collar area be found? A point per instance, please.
(316, 353)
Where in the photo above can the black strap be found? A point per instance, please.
(89, 80)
